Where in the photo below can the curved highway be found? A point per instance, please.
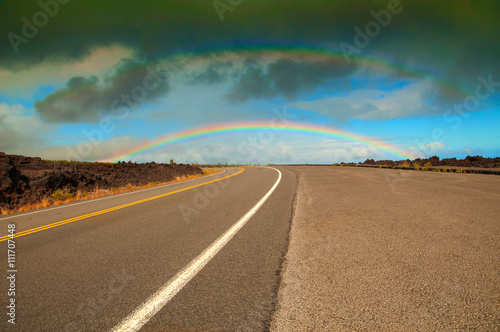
(92, 273)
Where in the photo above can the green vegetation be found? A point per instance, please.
(60, 195)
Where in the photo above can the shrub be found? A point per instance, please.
(60, 195)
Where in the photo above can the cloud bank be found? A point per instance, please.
(88, 99)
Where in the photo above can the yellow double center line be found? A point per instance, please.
(85, 216)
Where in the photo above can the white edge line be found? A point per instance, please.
(153, 304)
(110, 196)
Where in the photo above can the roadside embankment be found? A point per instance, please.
(31, 181)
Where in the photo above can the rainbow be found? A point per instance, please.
(299, 52)
(248, 127)
(319, 53)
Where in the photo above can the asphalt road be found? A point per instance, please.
(368, 249)
(388, 250)
(90, 274)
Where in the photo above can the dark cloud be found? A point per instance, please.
(457, 38)
(88, 99)
(286, 78)
(216, 72)
(165, 26)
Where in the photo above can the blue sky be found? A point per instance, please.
(54, 96)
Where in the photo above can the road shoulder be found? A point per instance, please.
(423, 256)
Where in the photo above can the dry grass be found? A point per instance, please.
(59, 197)
(208, 171)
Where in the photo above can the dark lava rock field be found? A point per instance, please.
(469, 161)
(26, 180)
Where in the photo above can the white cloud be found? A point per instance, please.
(376, 104)
(430, 146)
(435, 146)
(335, 152)
(428, 150)
(85, 150)
(244, 150)
(21, 131)
(239, 152)
(56, 72)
